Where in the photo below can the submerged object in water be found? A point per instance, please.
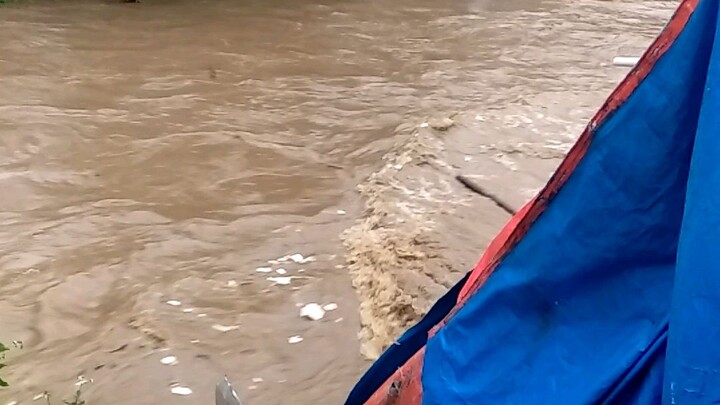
(225, 394)
(604, 288)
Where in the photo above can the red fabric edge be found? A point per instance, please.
(404, 387)
(519, 225)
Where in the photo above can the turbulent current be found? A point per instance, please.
(179, 178)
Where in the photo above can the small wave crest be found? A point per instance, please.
(395, 258)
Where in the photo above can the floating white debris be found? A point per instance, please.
(12, 403)
(82, 380)
(338, 320)
(174, 303)
(424, 125)
(252, 387)
(297, 258)
(479, 118)
(202, 315)
(468, 158)
(281, 271)
(188, 310)
(273, 262)
(312, 311)
(294, 339)
(223, 328)
(180, 390)
(232, 283)
(169, 360)
(330, 307)
(194, 341)
(626, 61)
(263, 270)
(40, 396)
(280, 280)
(257, 380)
(341, 212)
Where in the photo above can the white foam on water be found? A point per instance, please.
(280, 280)
(225, 328)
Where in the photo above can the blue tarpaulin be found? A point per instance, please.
(608, 288)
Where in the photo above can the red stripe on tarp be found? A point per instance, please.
(519, 225)
(482, 270)
(404, 387)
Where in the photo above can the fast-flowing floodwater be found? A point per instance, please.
(154, 155)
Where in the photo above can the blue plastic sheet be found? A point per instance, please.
(613, 294)
(581, 310)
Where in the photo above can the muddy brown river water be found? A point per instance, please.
(163, 151)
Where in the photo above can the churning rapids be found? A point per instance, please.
(154, 155)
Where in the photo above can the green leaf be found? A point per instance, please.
(3, 383)
(3, 348)
(2, 365)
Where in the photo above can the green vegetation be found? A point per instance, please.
(76, 399)
(3, 348)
